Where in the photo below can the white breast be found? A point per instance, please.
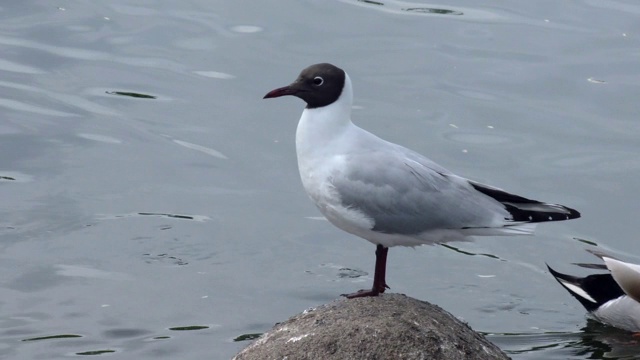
(623, 313)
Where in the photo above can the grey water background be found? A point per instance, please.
(150, 202)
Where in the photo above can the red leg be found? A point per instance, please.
(379, 283)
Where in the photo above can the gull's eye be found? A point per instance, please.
(317, 81)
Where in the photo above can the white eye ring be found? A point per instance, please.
(318, 81)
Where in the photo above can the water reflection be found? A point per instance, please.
(189, 328)
(131, 94)
(95, 352)
(50, 337)
(594, 341)
(247, 337)
(199, 218)
(460, 251)
(433, 11)
(605, 342)
(421, 9)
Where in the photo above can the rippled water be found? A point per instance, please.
(151, 206)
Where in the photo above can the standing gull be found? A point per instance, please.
(388, 194)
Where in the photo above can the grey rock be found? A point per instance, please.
(390, 326)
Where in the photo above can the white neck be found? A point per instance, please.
(319, 126)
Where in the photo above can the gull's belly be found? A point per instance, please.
(623, 313)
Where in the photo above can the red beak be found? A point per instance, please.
(285, 90)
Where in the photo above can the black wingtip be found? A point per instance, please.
(573, 213)
(527, 215)
(600, 288)
(559, 275)
(576, 281)
(527, 210)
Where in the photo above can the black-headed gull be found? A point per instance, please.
(386, 193)
(612, 298)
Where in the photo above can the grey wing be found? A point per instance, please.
(404, 194)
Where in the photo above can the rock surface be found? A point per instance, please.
(391, 326)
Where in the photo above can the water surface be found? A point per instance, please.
(151, 206)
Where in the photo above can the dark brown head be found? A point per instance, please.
(318, 85)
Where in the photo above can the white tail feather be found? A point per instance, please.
(577, 290)
(626, 275)
(510, 229)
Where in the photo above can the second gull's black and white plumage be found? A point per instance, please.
(388, 194)
(612, 298)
